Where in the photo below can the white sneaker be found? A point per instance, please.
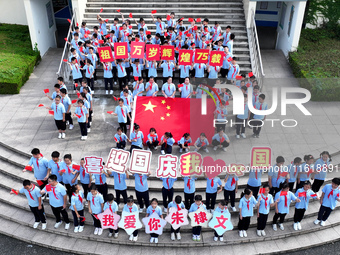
(59, 136)
(131, 237)
(299, 226)
(172, 236)
(237, 136)
(162, 152)
(281, 226)
(100, 231)
(274, 227)
(243, 135)
(141, 210)
(135, 238)
(152, 239)
(221, 239)
(67, 123)
(67, 226)
(186, 149)
(96, 231)
(316, 222)
(215, 238)
(81, 228)
(156, 240)
(215, 148)
(194, 238)
(110, 234)
(86, 203)
(258, 232)
(241, 233)
(323, 223)
(115, 83)
(116, 235)
(71, 127)
(36, 224)
(245, 233)
(111, 92)
(57, 224)
(76, 230)
(63, 135)
(180, 150)
(165, 210)
(178, 236)
(198, 238)
(224, 149)
(85, 137)
(88, 130)
(82, 138)
(107, 92)
(263, 233)
(295, 226)
(233, 208)
(206, 150)
(43, 226)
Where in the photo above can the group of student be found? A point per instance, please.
(59, 179)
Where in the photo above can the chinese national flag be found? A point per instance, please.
(185, 57)
(121, 50)
(137, 49)
(175, 115)
(152, 52)
(167, 52)
(216, 58)
(105, 54)
(201, 56)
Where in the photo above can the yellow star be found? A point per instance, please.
(149, 106)
(168, 114)
(162, 118)
(168, 107)
(163, 101)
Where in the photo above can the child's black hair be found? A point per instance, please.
(55, 154)
(109, 197)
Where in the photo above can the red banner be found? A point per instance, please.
(216, 58)
(167, 52)
(152, 52)
(105, 54)
(137, 50)
(185, 57)
(121, 50)
(201, 56)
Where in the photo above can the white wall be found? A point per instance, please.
(79, 7)
(37, 20)
(290, 43)
(13, 12)
(249, 7)
(272, 6)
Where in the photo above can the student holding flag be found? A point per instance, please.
(83, 117)
(230, 189)
(264, 202)
(96, 204)
(77, 208)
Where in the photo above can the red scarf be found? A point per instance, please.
(178, 208)
(234, 67)
(233, 181)
(122, 112)
(141, 179)
(38, 163)
(168, 67)
(53, 190)
(79, 196)
(69, 170)
(265, 201)
(119, 173)
(330, 194)
(29, 191)
(188, 184)
(101, 179)
(212, 182)
(83, 173)
(248, 204)
(127, 100)
(167, 183)
(93, 200)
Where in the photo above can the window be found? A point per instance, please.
(283, 14)
(290, 19)
(49, 14)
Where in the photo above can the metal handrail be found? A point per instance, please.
(64, 69)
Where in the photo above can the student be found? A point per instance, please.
(122, 73)
(184, 143)
(76, 70)
(142, 190)
(306, 171)
(264, 202)
(230, 43)
(119, 184)
(202, 143)
(160, 27)
(179, 205)
(120, 139)
(40, 167)
(88, 104)
(282, 202)
(220, 140)
(77, 208)
(254, 180)
(112, 205)
(130, 206)
(152, 141)
(92, 56)
(125, 87)
(185, 89)
(257, 122)
(168, 88)
(184, 72)
(138, 87)
(136, 138)
(247, 202)
(167, 141)
(304, 194)
(220, 115)
(199, 71)
(89, 73)
(123, 114)
(66, 101)
(242, 120)
(69, 174)
(55, 93)
(101, 184)
(96, 204)
(85, 179)
(293, 170)
(151, 88)
(54, 166)
(234, 69)
(127, 98)
(321, 166)
(58, 200)
(35, 202)
(59, 116)
(214, 186)
(168, 68)
(83, 118)
(150, 210)
(167, 191)
(230, 189)
(329, 198)
(275, 178)
(221, 208)
(108, 77)
(196, 231)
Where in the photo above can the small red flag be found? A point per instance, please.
(284, 193)
(69, 20)
(101, 10)
(78, 94)
(76, 167)
(77, 24)
(250, 74)
(148, 33)
(40, 105)
(88, 32)
(28, 168)
(115, 98)
(110, 112)
(79, 116)
(48, 188)
(76, 84)
(120, 28)
(168, 17)
(62, 171)
(46, 91)
(130, 27)
(14, 191)
(51, 112)
(65, 60)
(130, 15)
(302, 194)
(190, 19)
(101, 32)
(180, 33)
(238, 77)
(262, 190)
(106, 20)
(74, 101)
(82, 218)
(118, 10)
(101, 41)
(136, 78)
(195, 28)
(153, 11)
(65, 39)
(107, 36)
(165, 34)
(180, 85)
(230, 59)
(198, 20)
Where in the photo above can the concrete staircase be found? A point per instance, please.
(16, 221)
(227, 12)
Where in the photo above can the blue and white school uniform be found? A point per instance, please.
(89, 69)
(32, 195)
(168, 89)
(184, 142)
(40, 166)
(76, 72)
(137, 88)
(233, 71)
(122, 113)
(55, 168)
(283, 204)
(58, 109)
(276, 179)
(152, 70)
(139, 136)
(211, 191)
(202, 143)
(304, 169)
(77, 200)
(152, 88)
(95, 202)
(68, 176)
(56, 195)
(81, 111)
(321, 168)
(168, 69)
(186, 90)
(199, 70)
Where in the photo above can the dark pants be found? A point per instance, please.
(121, 145)
(86, 189)
(60, 210)
(189, 199)
(299, 185)
(211, 200)
(96, 222)
(317, 185)
(183, 146)
(240, 128)
(175, 231)
(220, 126)
(114, 73)
(166, 148)
(128, 73)
(61, 125)
(76, 221)
(216, 235)
(102, 189)
(135, 233)
(152, 145)
(167, 195)
(121, 81)
(124, 195)
(107, 81)
(90, 83)
(277, 216)
(78, 81)
(324, 213)
(225, 144)
(291, 186)
(257, 124)
(273, 191)
(196, 230)
(123, 127)
(89, 119)
(111, 230)
(39, 215)
(44, 183)
(255, 190)
(69, 191)
(224, 72)
(69, 118)
(244, 223)
(135, 147)
(229, 194)
(83, 128)
(154, 235)
(262, 221)
(143, 196)
(298, 215)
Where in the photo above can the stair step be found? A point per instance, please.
(163, 11)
